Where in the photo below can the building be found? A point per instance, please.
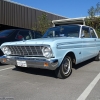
(15, 15)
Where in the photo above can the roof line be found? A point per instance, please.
(33, 8)
(70, 19)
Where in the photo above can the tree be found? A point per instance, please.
(94, 11)
(42, 24)
(97, 10)
(91, 11)
(94, 18)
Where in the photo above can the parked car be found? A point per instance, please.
(60, 47)
(17, 35)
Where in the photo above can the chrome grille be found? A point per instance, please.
(26, 50)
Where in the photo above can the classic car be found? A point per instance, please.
(58, 49)
(11, 35)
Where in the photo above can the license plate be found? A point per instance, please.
(21, 63)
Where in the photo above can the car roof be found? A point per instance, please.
(73, 25)
(17, 29)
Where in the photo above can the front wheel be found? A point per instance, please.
(65, 68)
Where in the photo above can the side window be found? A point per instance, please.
(92, 33)
(85, 32)
(23, 35)
(37, 34)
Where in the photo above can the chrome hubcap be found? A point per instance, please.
(66, 66)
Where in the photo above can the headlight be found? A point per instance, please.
(6, 50)
(47, 52)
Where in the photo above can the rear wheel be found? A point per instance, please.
(65, 68)
(97, 58)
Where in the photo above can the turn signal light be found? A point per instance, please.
(4, 60)
(46, 64)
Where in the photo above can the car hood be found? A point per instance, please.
(42, 41)
(49, 40)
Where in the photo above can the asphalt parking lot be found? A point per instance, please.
(37, 84)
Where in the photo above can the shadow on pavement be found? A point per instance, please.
(83, 64)
(1, 64)
(37, 71)
(50, 73)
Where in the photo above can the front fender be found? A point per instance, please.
(61, 53)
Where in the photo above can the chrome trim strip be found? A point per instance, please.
(32, 62)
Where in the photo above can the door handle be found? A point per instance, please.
(94, 39)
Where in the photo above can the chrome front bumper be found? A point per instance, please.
(43, 63)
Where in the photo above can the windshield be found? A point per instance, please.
(63, 31)
(5, 33)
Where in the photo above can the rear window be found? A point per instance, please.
(5, 33)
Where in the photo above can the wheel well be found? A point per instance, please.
(72, 55)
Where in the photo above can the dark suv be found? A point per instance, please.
(17, 35)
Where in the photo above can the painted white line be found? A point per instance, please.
(6, 68)
(87, 91)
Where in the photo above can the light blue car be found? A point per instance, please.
(59, 49)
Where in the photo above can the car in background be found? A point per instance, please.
(11, 35)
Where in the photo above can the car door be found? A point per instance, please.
(88, 44)
(93, 34)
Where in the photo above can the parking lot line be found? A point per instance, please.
(6, 69)
(87, 91)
